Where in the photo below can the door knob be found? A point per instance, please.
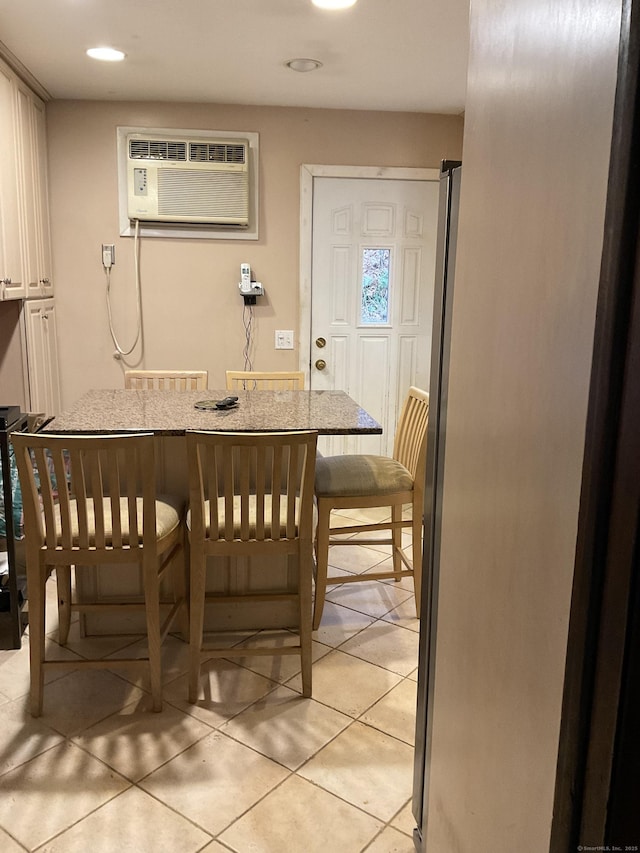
(321, 342)
(321, 364)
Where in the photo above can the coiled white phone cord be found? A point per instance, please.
(136, 259)
(247, 322)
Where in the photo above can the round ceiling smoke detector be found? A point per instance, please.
(303, 64)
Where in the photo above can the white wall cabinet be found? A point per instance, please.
(42, 355)
(12, 284)
(25, 238)
(29, 349)
(34, 199)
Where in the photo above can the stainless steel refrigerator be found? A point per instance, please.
(450, 177)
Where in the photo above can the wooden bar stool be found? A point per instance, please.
(363, 481)
(254, 380)
(171, 380)
(251, 495)
(91, 500)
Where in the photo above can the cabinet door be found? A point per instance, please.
(33, 193)
(42, 356)
(11, 280)
(39, 130)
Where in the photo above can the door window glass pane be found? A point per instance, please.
(374, 304)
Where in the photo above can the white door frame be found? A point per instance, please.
(307, 174)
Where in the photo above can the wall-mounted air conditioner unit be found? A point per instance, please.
(176, 179)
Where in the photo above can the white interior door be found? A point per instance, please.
(372, 280)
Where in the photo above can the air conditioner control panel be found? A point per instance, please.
(140, 182)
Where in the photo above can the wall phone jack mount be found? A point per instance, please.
(249, 294)
(108, 255)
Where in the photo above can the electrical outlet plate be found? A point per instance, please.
(284, 338)
(108, 255)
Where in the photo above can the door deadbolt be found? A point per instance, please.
(321, 342)
(321, 364)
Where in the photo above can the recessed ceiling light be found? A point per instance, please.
(106, 54)
(334, 4)
(303, 64)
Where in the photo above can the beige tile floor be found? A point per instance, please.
(252, 767)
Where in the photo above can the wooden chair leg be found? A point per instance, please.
(304, 598)
(416, 552)
(180, 581)
(396, 538)
(152, 608)
(63, 585)
(197, 584)
(35, 590)
(322, 560)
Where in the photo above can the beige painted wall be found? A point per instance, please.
(191, 306)
(536, 147)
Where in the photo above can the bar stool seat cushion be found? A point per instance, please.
(252, 516)
(358, 475)
(168, 516)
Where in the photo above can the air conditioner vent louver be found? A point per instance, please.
(203, 152)
(151, 149)
(196, 179)
(201, 196)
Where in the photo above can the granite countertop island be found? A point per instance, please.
(169, 414)
(173, 412)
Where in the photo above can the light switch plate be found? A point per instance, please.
(284, 338)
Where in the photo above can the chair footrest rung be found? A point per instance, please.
(101, 663)
(365, 528)
(370, 576)
(168, 622)
(360, 541)
(166, 560)
(406, 561)
(246, 653)
(213, 598)
(77, 607)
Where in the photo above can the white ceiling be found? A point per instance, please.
(379, 55)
